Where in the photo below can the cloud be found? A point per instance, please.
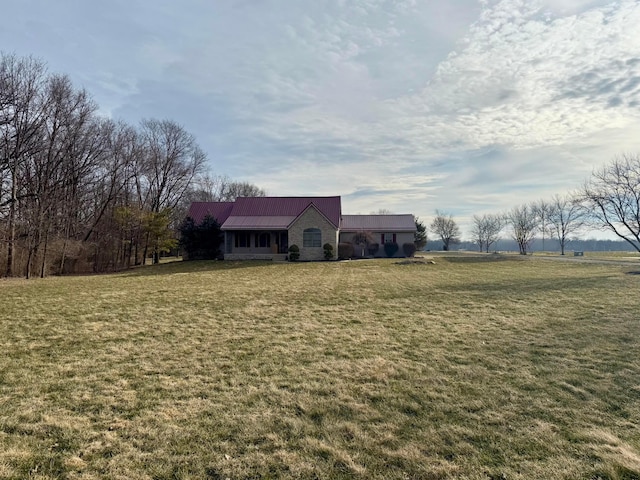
(467, 106)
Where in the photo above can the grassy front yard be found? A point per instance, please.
(474, 367)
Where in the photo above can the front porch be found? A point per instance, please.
(256, 244)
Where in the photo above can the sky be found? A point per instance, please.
(412, 106)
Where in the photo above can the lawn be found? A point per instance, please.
(474, 367)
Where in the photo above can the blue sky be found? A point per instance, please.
(466, 106)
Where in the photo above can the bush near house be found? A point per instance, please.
(391, 248)
(328, 251)
(409, 249)
(345, 250)
(373, 248)
(201, 241)
(294, 253)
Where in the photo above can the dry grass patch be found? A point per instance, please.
(462, 369)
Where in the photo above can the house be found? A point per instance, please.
(264, 227)
(381, 229)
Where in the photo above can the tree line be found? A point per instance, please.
(608, 200)
(83, 193)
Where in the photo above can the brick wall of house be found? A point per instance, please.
(311, 218)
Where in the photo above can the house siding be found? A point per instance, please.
(311, 218)
(401, 238)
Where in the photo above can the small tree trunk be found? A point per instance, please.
(44, 253)
(146, 250)
(12, 224)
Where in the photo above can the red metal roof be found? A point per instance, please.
(218, 210)
(330, 207)
(378, 223)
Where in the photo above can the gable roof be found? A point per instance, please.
(218, 210)
(378, 223)
(278, 212)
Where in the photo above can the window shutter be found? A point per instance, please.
(382, 239)
(394, 238)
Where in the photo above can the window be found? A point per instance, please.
(312, 237)
(263, 240)
(242, 240)
(388, 238)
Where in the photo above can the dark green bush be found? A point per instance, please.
(328, 251)
(345, 250)
(409, 249)
(391, 248)
(294, 253)
(203, 241)
(373, 248)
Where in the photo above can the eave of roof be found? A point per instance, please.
(280, 222)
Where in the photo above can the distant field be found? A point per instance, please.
(600, 254)
(472, 367)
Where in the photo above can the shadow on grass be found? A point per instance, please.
(192, 266)
(483, 258)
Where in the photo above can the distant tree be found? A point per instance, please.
(420, 237)
(486, 230)
(524, 223)
(565, 218)
(612, 198)
(242, 189)
(445, 227)
(542, 210)
(220, 188)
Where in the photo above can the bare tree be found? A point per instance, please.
(524, 223)
(486, 230)
(73, 183)
(22, 113)
(612, 198)
(73, 146)
(206, 188)
(218, 188)
(233, 190)
(445, 227)
(173, 159)
(542, 210)
(565, 218)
